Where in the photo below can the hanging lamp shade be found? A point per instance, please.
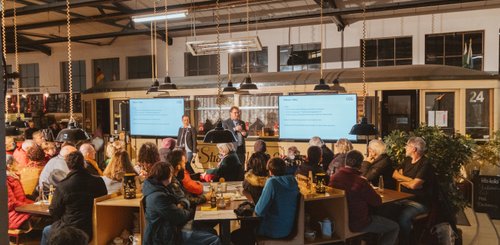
(336, 86)
(72, 133)
(167, 85)
(219, 135)
(363, 128)
(248, 85)
(18, 123)
(322, 85)
(154, 87)
(229, 88)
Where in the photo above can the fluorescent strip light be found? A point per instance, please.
(160, 16)
(231, 45)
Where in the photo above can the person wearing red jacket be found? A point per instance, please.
(16, 198)
(360, 198)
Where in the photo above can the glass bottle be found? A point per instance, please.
(51, 193)
(213, 199)
(381, 183)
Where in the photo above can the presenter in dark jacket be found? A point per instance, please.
(238, 128)
(186, 139)
(74, 198)
(378, 164)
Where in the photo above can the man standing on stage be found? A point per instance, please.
(238, 128)
(186, 139)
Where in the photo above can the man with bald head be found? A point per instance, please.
(55, 170)
(90, 164)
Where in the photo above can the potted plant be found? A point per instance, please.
(447, 153)
(487, 155)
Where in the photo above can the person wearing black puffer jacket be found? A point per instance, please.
(73, 199)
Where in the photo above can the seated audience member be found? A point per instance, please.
(115, 171)
(74, 198)
(313, 162)
(378, 164)
(341, 148)
(256, 177)
(15, 198)
(38, 138)
(360, 198)
(415, 177)
(50, 150)
(36, 157)
(10, 145)
(111, 149)
(277, 206)
(178, 160)
(166, 214)
(88, 153)
(293, 160)
(20, 154)
(30, 173)
(229, 166)
(326, 153)
(260, 146)
(55, 170)
(28, 133)
(68, 235)
(167, 146)
(148, 155)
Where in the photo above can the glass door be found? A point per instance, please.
(399, 111)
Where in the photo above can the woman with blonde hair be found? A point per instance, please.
(341, 147)
(111, 149)
(378, 164)
(229, 167)
(117, 168)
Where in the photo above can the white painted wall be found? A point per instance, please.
(416, 26)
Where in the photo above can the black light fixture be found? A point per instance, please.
(322, 86)
(219, 134)
(18, 123)
(248, 85)
(336, 86)
(167, 85)
(230, 88)
(154, 87)
(363, 127)
(72, 133)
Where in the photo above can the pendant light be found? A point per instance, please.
(322, 86)
(363, 127)
(18, 123)
(247, 83)
(219, 134)
(167, 84)
(229, 89)
(72, 133)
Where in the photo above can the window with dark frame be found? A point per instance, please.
(29, 76)
(200, 65)
(79, 76)
(464, 49)
(106, 70)
(139, 67)
(299, 57)
(258, 62)
(392, 51)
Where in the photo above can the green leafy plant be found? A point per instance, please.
(488, 153)
(447, 153)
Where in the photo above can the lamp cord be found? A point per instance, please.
(321, 43)
(16, 64)
(364, 61)
(4, 52)
(152, 53)
(229, 57)
(219, 87)
(166, 39)
(248, 34)
(154, 40)
(70, 67)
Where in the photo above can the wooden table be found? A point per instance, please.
(36, 209)
(390, 196)
(222, 216)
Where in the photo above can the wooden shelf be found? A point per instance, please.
(321, 240)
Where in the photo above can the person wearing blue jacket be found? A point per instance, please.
(275, 206)
(166, 213)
